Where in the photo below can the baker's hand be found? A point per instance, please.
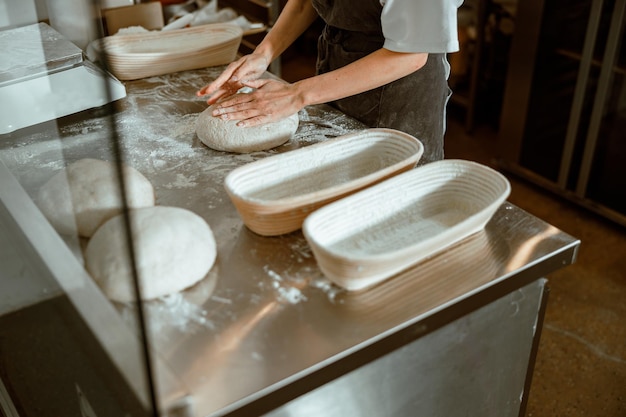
(247, 68)
(272, 100)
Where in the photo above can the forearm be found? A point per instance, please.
(294, 19)
(376, 69)
(272, 100)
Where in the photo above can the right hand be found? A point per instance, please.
(245, 69)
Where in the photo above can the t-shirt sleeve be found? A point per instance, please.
(420, 25)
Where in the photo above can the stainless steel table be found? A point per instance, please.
(265, 332)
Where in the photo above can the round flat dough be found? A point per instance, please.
(225, 135)
(87, 192)
(174, 249)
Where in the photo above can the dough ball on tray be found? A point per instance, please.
(174, 249)
(87, 192)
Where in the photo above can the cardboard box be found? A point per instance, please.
(147, 15)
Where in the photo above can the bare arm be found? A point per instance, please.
(274, 100)
(295, 18)
(374, 70)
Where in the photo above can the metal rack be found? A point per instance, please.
(564, 114)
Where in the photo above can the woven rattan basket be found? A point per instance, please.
(275, 194)
(140, 55)
(367, 237)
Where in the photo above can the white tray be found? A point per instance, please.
(371, 235)
(275, 194)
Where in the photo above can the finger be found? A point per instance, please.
(208, 89)
(232, 110)
(226, 91)
(237, 75)
(239, 112)
(230, 105)
(216, 96)
(217, 84)
(237, 70)
(253, 121)
(202, 92)
(225, 77)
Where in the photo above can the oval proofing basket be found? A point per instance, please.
(371, 235)
(275, 194)
(146, 54)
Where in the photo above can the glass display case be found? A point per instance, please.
(65, 350)
(264, 332)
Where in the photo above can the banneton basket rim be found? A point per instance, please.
(114, 45)
(409, 254)
(322, 148)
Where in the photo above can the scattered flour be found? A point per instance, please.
(171, 313)
(181, 182)
(290, 287)
(156, 131)
(178, 313)
(301, 250)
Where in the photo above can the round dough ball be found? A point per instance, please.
(86, 193)
(225, 135)
(174, 249)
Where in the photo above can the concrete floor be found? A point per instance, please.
(580, 369)
(581, 362)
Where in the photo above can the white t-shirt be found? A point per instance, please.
(420, 25)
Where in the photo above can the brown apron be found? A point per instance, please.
(414, 104)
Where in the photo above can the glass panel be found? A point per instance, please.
(554, 81)
(562, 39)
(607, 182)
(65, 348)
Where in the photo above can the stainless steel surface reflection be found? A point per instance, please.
(475, 366)
(273, 327)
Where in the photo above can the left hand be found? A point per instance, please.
(246, 68)
(272, 100)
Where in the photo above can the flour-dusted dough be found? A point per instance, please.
(174, 249)
(225, 135)
(87, 192)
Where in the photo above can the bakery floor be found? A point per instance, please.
(580, 369)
